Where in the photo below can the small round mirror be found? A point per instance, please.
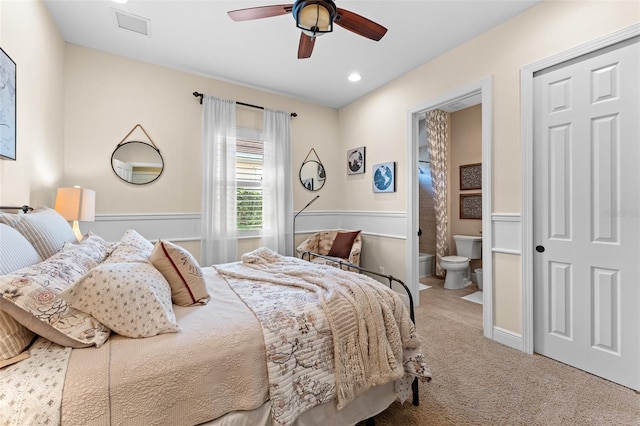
(137, 162)
(312, 175)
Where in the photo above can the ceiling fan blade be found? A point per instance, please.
(305, 48)
(359, 25)
(260, 12)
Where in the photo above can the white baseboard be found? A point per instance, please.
(507, 338)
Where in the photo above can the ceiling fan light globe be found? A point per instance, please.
(314, 17)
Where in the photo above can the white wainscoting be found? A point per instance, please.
(390, 224)
(506, 236)
(169, 226)
(507, 233)
(186, 226)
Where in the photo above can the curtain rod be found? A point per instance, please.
(201, 95)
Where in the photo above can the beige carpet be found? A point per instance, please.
(480, 382)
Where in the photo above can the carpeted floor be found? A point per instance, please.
(480, 382)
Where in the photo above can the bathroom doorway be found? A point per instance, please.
(474, 98)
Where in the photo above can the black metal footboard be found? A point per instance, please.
(391, 279)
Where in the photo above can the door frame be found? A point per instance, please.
(526, 120)
(483, 87)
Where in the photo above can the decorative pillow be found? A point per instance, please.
(132, 238)
(132, 299)
(125, 253)
(132, 247)
(31, 296)
(342, 244)
(14, 338)
(182, 271)
(15, 251)
(45, 229)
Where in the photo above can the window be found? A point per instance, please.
(249, 156)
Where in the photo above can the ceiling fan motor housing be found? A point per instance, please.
(314, 17)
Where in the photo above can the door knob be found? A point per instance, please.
(540, 249)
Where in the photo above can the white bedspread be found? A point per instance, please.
(215, 365)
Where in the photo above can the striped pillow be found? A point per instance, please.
(45, 229)
(15, 251)
(14, 338)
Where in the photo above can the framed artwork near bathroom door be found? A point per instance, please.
(470, 206)
(471, 176)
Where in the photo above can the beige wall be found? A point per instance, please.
(465, 147)
(29, 36)
(380, 118)
(107, 95)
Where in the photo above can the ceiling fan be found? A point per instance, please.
(314, 18)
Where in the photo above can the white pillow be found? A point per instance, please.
(132, 299)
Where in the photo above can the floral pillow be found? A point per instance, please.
(133, 299)
(183, 273)
(31, 296)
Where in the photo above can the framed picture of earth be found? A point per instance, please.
(384, 177)
(355, 161)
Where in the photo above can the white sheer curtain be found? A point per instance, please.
(219, 220)
(277, 190)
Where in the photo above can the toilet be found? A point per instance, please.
(458, 274)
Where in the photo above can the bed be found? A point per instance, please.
(135, 333)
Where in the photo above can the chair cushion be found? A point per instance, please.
(342, 244)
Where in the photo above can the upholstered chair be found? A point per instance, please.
(340, 245)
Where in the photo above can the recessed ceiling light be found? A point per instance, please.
(355, 77)
(120, 1)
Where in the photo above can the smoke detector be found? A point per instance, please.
(128, 21)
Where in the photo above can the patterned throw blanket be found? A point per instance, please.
(374, 340)
(33, 387)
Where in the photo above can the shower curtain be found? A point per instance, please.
(438, 147)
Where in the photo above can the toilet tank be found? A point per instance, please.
(468, 246)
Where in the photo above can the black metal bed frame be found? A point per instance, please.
(24, 208)
(390, 279)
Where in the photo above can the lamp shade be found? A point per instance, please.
(76, 204)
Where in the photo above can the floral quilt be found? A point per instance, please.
(328, 333)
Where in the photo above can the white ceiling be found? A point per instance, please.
(199, 37)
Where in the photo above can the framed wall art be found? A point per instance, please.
(7, 107)
(471, 176)
(470, 206)
(384, 177)
(355, 161)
